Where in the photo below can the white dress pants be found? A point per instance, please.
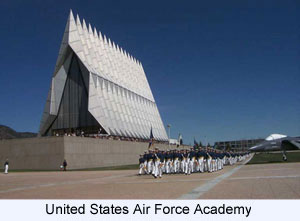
(6, 169)
(201, 165)
(209, 166)
(142, 165)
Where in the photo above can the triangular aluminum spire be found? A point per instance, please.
(95, 33)
(109, 42)
(78, 20)
(64, 43)
(105, 40)
(90, 29)
(84, 25)
(71, 16)
(100, 36)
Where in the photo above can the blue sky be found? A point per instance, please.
(219, 70)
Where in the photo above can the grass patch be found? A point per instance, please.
(25, 170)
(125, 167)
(276, 157)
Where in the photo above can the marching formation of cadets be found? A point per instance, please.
(157, 162)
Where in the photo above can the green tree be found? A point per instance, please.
(228, 147)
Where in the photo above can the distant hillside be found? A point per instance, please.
(8, 133)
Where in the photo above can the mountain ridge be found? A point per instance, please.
(9, 133)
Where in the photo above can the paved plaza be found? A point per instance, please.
(259, 181)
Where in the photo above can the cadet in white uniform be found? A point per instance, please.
(168, 165)
(158, 163)
(6, 166)
(192, 159)
(176, 163)
(200, 157)
(150, 163)
(186, 159)
(145, 156)
(142, 165)
(208, 162)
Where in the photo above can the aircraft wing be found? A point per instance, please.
(290, 145)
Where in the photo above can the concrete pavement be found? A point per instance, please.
(259, 181)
